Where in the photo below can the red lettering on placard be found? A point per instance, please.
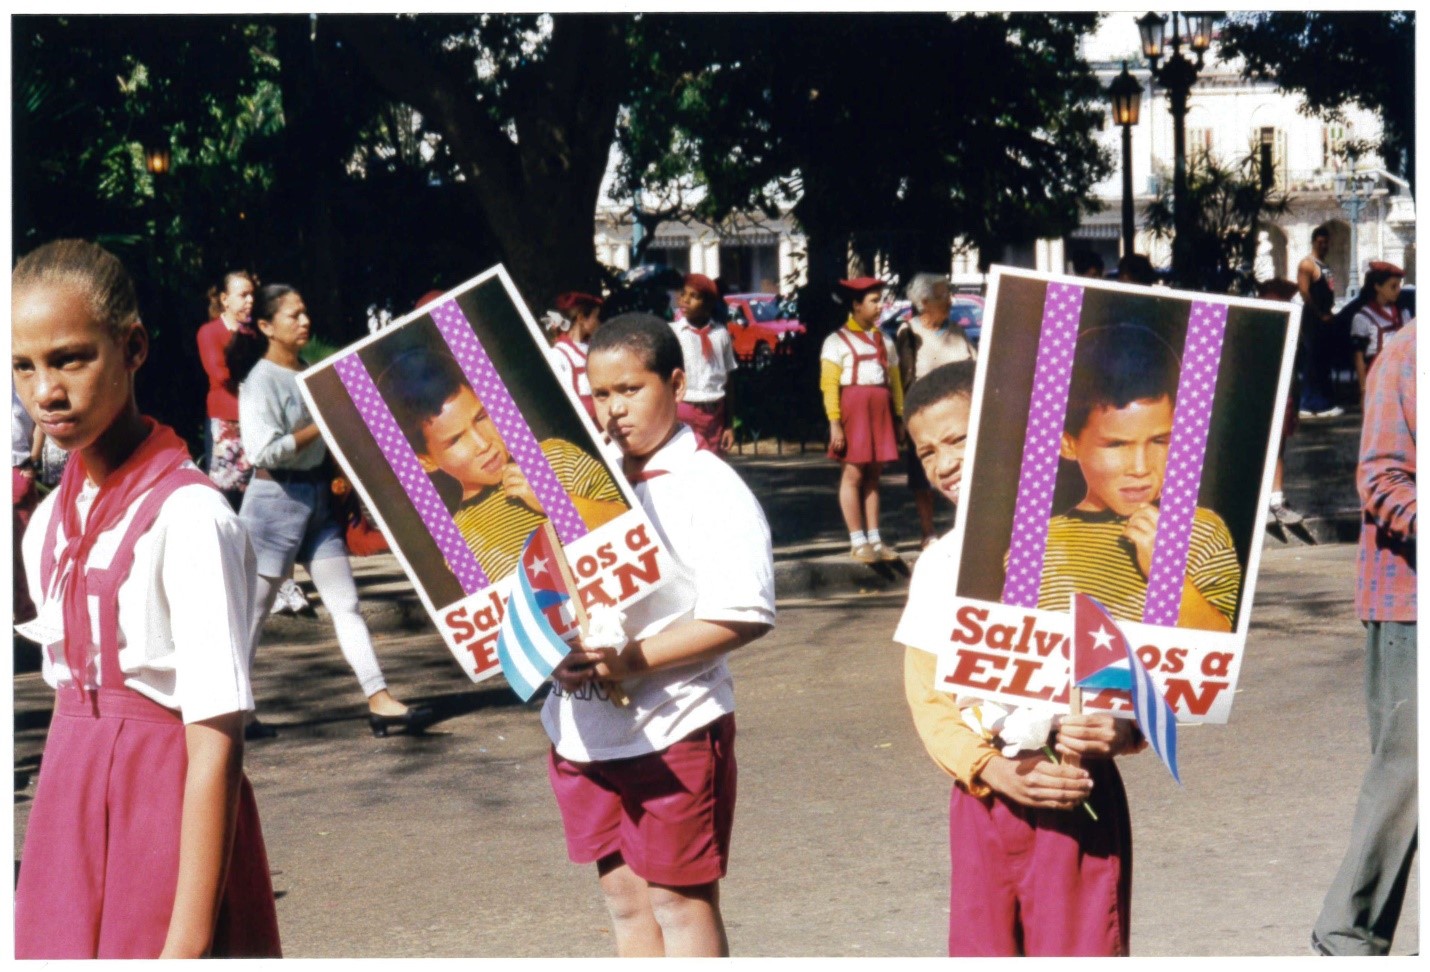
(461, 628)
(1023, 670)
(969, 632)
(628, 574)
(969, 671)
(1180, 690)
(484, 653)
(595, 593)
(1217, 664)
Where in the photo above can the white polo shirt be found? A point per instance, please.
(183, 610)
(722, 570)
(705, 377)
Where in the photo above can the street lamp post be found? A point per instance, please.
(1353, 193)
(1126, 94)
(1177, 75)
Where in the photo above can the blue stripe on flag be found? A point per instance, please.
(1109, 678)
(528, 647)
(1154, 715)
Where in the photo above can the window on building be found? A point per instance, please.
(750, 267)
(673, 251)
(1200, 142)
(1333, 143)
(1271, 150)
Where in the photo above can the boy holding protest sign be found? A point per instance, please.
(1032, 874)
(647, 791)
(454, 437)
(1118, 428)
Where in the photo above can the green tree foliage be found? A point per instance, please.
(1228, 203)
(1335, 59)
(894, 134)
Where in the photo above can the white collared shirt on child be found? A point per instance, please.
(705, 377)
(722, 570)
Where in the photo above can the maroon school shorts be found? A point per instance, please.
(668, 813)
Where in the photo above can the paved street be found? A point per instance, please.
(450, 844)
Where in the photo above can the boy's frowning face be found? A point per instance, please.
(464, 443)
(634, 405)
(1122, 453)
(940, 434)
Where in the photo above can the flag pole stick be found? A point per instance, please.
(1074, 708)
(583, 622)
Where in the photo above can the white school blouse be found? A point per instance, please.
(836, 348)
(270, 407)
(722, 570)
(705, 378)
(183, 610)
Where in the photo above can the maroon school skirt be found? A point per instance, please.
(101, 858)
(706, 420)
(868, 419)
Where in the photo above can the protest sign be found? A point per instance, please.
(1122, 443)
(461, 440)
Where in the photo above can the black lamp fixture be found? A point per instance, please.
(1177, 75)
(1125, 91)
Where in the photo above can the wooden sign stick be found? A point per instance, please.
(583, 622)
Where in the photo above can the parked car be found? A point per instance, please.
(758, 328)
(966, 311)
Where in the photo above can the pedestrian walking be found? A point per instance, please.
(288, 507)
(144, 839)
(1362, 906)
(863, 398)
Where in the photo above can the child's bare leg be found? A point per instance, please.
(690, 920)
(851, 478)
(628, 899)
(869, 490)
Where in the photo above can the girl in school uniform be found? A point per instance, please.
(576, 318)
(863, 397)
(1379, 317)
(709, 354)
(143, 840)
(287, 507)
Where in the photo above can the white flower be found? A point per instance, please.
(605, 627)
(1025, 730)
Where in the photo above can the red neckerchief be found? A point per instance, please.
(161, 452)
(874, 337)
(1389, 314)
(647, 474)
(707, 348)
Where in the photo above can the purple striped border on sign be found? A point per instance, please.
(456, 330)
(1062, 308)
(1201, 357)
(415, 482)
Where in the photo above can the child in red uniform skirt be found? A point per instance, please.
(143, 840)
(576, 318)
(863, 397)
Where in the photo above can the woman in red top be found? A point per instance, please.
(231, 308)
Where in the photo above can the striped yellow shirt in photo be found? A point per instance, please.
(496, 527)
(1086, 554)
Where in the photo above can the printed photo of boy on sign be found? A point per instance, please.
(1122, 442)
(462, 442)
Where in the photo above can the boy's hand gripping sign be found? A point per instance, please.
(463, 443)
(1122, 444)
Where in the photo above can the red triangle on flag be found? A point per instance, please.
(1098, 642)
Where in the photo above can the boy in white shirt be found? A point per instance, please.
(709, 359)
(647, 791)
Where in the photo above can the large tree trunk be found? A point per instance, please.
(537, 191)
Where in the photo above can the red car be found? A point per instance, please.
(758, 330)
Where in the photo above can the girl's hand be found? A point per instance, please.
(727, 439)
(1141, 532)
(515, 486)
(1094, 736)
(1036, 781)
(837, 442)
(576, 669)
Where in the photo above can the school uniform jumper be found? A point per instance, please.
(859, 378)
(1023, 881)
(709, 355)
(669, 753)
(568, 360)
(166, 587)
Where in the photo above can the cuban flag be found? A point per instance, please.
(528, 645)
(1103, 658)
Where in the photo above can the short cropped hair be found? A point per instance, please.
(1116, 366)
(921, 288)
(1085, 260)
(942, 383)
(644, 335)
(91, 270)
(1323, 230)
(415, 386)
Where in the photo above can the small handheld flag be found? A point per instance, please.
(528, 645)
(1099, 647)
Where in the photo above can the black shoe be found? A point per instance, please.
(258, 730)
(414, 720)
